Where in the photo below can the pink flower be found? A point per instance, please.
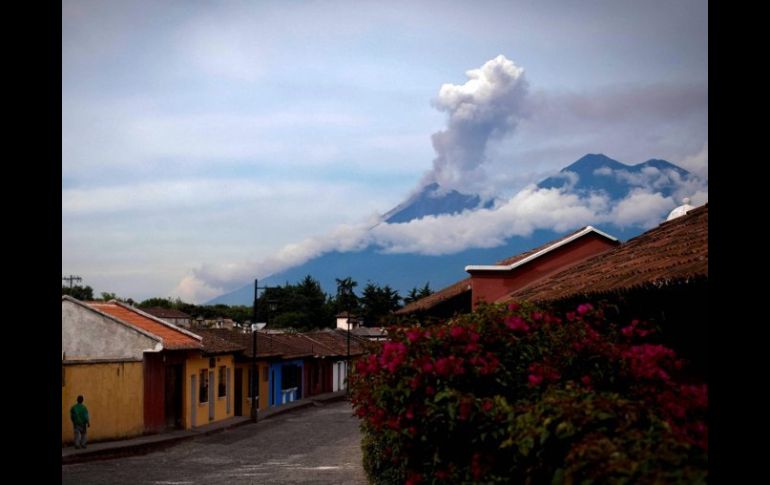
(584, 308)
(586, 379)
(535, 380)
(414, 335)
(517, 324)
(513, 306)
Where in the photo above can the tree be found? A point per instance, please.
(302, 306)
(377, 303)
(346, 300)
(418, 293)
(157, 302)
(109, 296)
(82, 293)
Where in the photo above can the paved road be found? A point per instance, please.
(316, 445)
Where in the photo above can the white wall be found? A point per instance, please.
(86, 334)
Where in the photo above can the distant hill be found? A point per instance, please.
(593, 172)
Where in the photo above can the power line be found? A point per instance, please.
(72, 278)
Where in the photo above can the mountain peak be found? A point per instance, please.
(593, 161)
(429, 201)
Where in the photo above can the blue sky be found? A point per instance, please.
(202, 138)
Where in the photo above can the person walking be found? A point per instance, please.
(80, 422)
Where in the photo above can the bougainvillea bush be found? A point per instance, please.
(516, 394)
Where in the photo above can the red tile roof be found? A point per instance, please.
(676, 250)
(161, 312)
(464, 285)
(216, 344)
(336, 342)
(244, 341)
(173, 338)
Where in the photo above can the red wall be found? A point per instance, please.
(488, 286)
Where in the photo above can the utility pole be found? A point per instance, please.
(72, 278)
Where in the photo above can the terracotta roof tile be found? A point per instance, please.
(161, 312)
(216, 344)
(676, 250)
(244, 341)
(173, 338)
(336, 342)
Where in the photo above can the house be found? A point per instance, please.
(138, 373)
(370, 333)
(338, 343)
(244, 360)
(487, 283)
(176, 317)
(345, 318)
(660, 275)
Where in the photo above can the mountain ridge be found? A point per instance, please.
(590, 173)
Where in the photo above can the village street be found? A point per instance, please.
(315, 445)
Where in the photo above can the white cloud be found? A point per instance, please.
(641, 208)
(529, 210)
(697, 163)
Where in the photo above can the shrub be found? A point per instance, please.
(521, 394)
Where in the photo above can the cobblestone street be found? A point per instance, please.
(316, 445)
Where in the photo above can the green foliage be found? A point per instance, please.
(82, 293)
(302, 306)
(346, 299)
(377, 303)
(418, 293)
(519, 395)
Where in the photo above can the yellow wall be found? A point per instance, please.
(113, 394)
(193, 366)
(263, 386)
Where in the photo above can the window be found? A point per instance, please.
(203, 394)
(222, 383)
(291, 376)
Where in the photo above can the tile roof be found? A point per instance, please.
(216, 344)
(295, 346)
(244, 341)
(676, 250)
(161, 312)
(335, 341)
(173, 337)
(464, 285)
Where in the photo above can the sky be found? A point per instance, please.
(205, 144)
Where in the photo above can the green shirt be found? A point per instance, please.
(79, 414)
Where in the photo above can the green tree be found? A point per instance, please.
(157, 302)
(377, 303)
(417, 293)
(302, 306)
(82, 293)
(346, 300)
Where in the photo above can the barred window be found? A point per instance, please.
(222, 383)
(203, 395)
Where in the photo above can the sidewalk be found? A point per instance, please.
(148, 443)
